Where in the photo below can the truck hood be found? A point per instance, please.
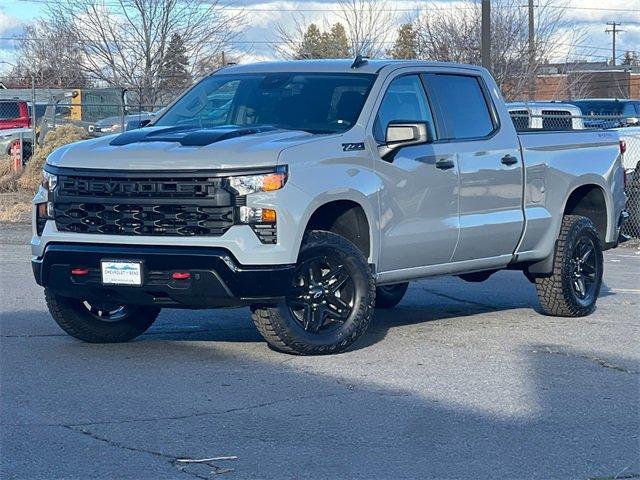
(176, 148)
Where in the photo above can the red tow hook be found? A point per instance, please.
(181, 275)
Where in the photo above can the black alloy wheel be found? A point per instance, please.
(97, 322)
(584, 269)
(322, 296)
(572, 288)
(107, 312)
(329, 304)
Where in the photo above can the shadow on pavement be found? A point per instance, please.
(129, 411)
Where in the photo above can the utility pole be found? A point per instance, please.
(485, 37)
(532, 54)
(613, 31)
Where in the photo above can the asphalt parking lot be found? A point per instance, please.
(460, 381)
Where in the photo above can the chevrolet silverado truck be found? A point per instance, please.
(312, 192)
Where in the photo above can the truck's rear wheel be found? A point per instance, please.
(573, 287)
(99, 323)
(388, 296)
(330, 303)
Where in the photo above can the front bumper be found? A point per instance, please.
(216, 280)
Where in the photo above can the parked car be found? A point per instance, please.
(318, 194)
(14, 114)
(609, 112)
(545, 115)
(112, 125)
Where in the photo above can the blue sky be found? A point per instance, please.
(264, 15)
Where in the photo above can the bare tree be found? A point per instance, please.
(49, 53)
(125, 42)
(368, 24)
(453, 34)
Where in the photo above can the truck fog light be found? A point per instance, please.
(257, 215)
(44, 212)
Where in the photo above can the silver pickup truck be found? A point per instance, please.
(313, 192)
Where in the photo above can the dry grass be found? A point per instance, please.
(17, 188)
(15, 207)
(62, 135)
(5, 165)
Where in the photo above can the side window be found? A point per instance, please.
(463, 104)
(628, 110)
(405, 99)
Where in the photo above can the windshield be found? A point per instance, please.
(313, 102)
(601, 107)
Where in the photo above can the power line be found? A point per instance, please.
(613, 31)
(250, 9)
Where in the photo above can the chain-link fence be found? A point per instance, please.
(26, 116)
(631, 137)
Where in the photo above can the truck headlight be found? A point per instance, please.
(49, 181)
(258, 183)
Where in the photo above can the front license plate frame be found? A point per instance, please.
(127, 273)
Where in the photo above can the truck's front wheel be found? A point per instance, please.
(99, 323)
(330, 302)
(574, 285)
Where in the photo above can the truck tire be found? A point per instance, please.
(388, 296)
(99, 324)
(330, 303)
(573, 287)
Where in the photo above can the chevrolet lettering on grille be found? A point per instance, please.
(92, 186)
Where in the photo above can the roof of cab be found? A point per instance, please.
(333, 66)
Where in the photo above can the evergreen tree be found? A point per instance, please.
(406, 46)
(318, 44)
(311, 45)
(335, 42)
(174, 72)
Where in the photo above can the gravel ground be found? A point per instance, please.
(460, 381)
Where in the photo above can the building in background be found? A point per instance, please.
(587, 80)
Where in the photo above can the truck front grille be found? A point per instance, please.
(153, 204)
(130, 219)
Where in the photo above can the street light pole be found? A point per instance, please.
(532, 54)
(485, 38)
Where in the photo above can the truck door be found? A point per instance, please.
(419, 195)
(489, 162)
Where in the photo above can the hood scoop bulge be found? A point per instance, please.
(187, 136)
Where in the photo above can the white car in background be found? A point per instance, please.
(545, 116)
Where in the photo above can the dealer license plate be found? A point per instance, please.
(121, 273)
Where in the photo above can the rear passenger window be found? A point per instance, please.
(405, 99)
(463, 105)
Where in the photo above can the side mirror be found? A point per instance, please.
(136, 124)
(402, 134)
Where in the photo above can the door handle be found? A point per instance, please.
(445, 164)
(509, 160)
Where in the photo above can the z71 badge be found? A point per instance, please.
(352, 147)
